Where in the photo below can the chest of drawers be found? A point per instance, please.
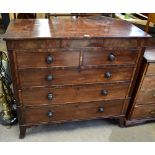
(143, 103)
(68, 70)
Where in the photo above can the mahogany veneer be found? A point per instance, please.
(73, 69)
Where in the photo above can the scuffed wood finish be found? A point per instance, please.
(143, 103)
(91, 27)
(38, 77)
(67, 95)
(92, 62)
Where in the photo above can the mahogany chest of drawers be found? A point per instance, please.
(73, 69)
(143, 103)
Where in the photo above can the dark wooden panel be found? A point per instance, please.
(38, 77)
(103, 57)
(63, 95)
(143, 112)
(73, 112)
(59, 58)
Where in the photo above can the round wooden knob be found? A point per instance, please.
(50, 96)
(111, 57)
(49, 59)
(49, 78)
(104, 92)
(101, 109)
(108, 74)
(50, 114)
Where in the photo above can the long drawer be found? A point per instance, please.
(57, 113)
(69, 94)
(140, 112)
(40, 77)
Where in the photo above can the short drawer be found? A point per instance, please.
(151, 69)
(69, 94)
(48, 58)
(71, 112)
(143, 112)
(40, 77)
(145, 97)
(112, 57)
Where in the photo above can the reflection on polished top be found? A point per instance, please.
(89, 27)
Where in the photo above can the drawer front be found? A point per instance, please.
(33, 44)
(148, 83)
(112, 57)
(47, 59)
(143, 112)
(67, 94)
(146, 97)
(151, 69)
(40, 77)
(111, 42)
(62, 113)
(74, 43)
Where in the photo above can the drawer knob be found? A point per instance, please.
(108, 75)
(49, 78)
(111, 57)
(50, 114)
(49, 59)
(101, 109)
(104, 92)
(50, 96)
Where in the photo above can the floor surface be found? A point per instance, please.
(84, 131)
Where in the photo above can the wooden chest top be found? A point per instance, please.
(90, 27)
